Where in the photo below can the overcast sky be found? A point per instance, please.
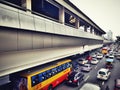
(105, 13)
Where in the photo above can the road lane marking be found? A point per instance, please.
(103, 83)
(95, 67)
(86, 78)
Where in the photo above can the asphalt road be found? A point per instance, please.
(91, 77)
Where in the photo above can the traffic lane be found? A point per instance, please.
(114, 74)
(89, 77)
(91, 74)
(110, 82)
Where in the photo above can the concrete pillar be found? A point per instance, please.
(26, 4)
(77, 23)
(62, 15)
(95, 32)
(85, 28)
(91, 31)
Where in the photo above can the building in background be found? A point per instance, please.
(110, 35)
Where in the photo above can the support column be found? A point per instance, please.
(77, 23)
(62, 15)
(95, 32)
(91, 31)
(85, 28)
(26, 4)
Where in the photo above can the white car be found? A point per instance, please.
(94, 61)
(117, 56)
(99, 56)
(103, 74)
(93, 55)
(86, 67)
(90, 86)
(111, 56)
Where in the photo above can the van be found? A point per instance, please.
(103, 74)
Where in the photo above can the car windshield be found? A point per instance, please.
(111, 57)
(101, 72)
(86, 66)
(81, 59)
(94, 60)
(108, 63)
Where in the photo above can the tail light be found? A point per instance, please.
(75, 80)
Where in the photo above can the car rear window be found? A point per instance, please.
(100, 72)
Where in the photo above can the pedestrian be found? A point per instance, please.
(107, 88)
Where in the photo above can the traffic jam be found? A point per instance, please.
(94, 70)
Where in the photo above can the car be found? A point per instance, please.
(99, 56)
(82, 61)
(94, 61)
(76, 68)
(103, 74)
(107, 55)
(111, 56)
(117, 84)
(109, 63)
(86, 67)
(75, 78)
(90, 86)
(117, 56)
(93, 55)
(89, 58)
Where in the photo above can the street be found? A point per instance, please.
(92, 77)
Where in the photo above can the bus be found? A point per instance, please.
(104, 50)
(44, 78)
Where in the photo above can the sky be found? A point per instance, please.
(105, 13)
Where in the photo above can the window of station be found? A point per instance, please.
(70, 19)
(82, 24)
(16, 2)
(45, 8)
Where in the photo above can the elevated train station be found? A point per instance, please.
(35, 32)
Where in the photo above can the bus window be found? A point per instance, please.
(68, 65)
(54, 71)
(59, 68)
(44, 76)
(35, 80)
(40, 77)
(64, 66)
(49, 73)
